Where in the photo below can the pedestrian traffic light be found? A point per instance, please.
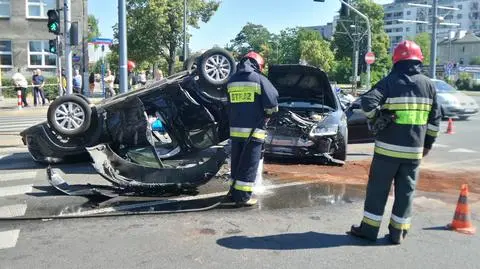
(53, 21)
(52, 46)
(345, 10)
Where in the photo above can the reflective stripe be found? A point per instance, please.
(400, 226)
(433, 127)
(401, 220)
(398, 148)
(371, 222)
(372, 216)
(245, 133)
(432, 133)
(411, 117)
(244, 186)
(394, 154)
(407, 106)
(272, 110)
(235, 86)
(409, 100)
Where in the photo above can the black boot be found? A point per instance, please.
(357, 231)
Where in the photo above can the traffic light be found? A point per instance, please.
(345, 10)
(53, 21)
(52, 46)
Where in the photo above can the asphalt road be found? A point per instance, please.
(300, 224)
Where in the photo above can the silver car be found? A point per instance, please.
(454, 103)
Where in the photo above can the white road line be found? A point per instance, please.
(170, 201)
(8, 239)
(435, 145)
(13, 210)
(462, 150)
(15, 190)
(17, 176)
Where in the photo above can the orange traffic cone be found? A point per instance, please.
(461, 220)
(450, 127)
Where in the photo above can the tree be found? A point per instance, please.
(475, 60)
(315, 50)
(342, 44)
(423, 40)
(252, 37)
(155, 27)
(93, 30)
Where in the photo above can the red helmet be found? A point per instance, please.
(407, 50)
(257, 57)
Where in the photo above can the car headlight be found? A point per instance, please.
(452, 102)
(324, 130)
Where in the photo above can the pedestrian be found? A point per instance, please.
(77, 82)
(142, 78)
(91, 83)
(38, 82)
(252, 100)
(405, 104)
(109, 80)
(158, 75)
(20, 83)
(64, 82)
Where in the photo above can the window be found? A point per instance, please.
(407, 29)
(409, 12)
(459, 16)
(6, 53)
(4, 8)
(39, 8)
(388, 30)
(459, 7)
(38, 55)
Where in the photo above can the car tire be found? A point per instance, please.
(341, 152)
(216, 66)
(69, 115)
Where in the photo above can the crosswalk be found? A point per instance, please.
(16, 182)
(15, 124)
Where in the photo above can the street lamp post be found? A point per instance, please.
(433, 43)
(122, 29)
(185, 46)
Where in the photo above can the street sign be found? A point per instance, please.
(76, 58)
(370, 57)
(101, 41)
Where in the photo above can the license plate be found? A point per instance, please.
(242, 97)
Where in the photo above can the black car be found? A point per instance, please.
(311, 121)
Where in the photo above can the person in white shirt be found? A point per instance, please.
(20, 83)
(109, 80)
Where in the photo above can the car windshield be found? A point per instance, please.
(442, 86)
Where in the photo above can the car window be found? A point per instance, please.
(442, 86)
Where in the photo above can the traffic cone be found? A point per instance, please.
(450, 127)
(461, 220)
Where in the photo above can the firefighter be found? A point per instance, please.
(405, 103)
(252, 100)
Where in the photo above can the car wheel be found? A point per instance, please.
(341, 152)
(216, 66)
(69, 115)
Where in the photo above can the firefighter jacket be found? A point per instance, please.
(411, 98)
(252, 99)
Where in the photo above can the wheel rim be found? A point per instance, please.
(69, 116)
(217, 67)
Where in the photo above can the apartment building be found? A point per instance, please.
(24, 35)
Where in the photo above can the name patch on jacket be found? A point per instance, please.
(243, 92)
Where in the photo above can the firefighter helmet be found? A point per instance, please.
(407, 50)
(257, 58)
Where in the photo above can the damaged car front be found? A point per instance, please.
(310, 122)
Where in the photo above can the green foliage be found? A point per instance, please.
(424, 41)
(465, 83)
(51, 91)
(342, 71)
(475, 60)
(315, 50)
(163, 21)
(93, 30)
(252, 37)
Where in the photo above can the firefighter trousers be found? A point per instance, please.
(404, 176)
(244, 168)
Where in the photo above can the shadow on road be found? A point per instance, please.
(293, 241)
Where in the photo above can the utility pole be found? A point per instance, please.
(185, 46)
(122, 29)
(68, 48)
(59, 66)
(433, 48)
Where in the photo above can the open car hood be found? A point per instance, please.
(300, 81)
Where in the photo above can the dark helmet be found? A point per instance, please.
(257, 58)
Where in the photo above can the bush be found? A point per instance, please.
(51, 91)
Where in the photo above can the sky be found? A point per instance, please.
(232, 15)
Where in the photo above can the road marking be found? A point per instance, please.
(15, 190)
(435, 145)
(170, 201)
(17, 176)
(462, 150)
(13, 210)
(426, 165)
(8, 239)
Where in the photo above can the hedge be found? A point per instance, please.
(51, 88)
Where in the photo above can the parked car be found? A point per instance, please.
(454, 103)
(310, 121)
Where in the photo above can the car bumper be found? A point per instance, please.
(297, 147)
(460, 111)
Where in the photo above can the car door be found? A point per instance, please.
(358, 131)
